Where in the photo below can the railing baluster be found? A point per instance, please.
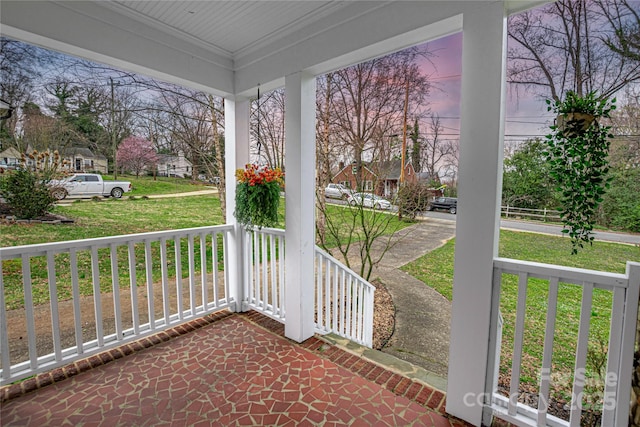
(250, 253)
(517, 344)
(274, 285)
(178, 259)
(192, 268)
(543, 396)
(164, 267)
(53, 301)
(225, 258)
(581, 355)
(319, 300)
(327, 296)
(75, 292)
(343, 303)
(613, 360)
(255, 247)
(149, 273)
(4, 338)
(264, 263)
(115, 282)
(203, 271)
(97, 304)
(347, 316)
(282, 289)
(133, 283)
(336, 298)
(214, 267)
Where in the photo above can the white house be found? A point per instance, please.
(82, 159)
(231, 48)
(10, 157)
(174, 165)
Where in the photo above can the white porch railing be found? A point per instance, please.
(344, 301)
(624, 290)
(78, 276)
(264, 271)
(70, 300)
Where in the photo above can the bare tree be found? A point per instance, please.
(41, 132)
(438, 153)
(19, 72)
(369, 98)
(561, 47)
(267, 128)
(625, 146)
(624, 18)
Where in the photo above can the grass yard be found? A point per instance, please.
(436, 270)
(147, 185)
(112, 217)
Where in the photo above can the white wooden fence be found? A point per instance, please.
(105, 311)
(539, 214)
(624, 289)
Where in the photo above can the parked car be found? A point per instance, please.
(337, 191)
(369, 200)
(88, 185)
(446, 203)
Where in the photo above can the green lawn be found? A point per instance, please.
(436, 270)
(147, 185)
(112, 217)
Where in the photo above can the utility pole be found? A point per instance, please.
(113, 132)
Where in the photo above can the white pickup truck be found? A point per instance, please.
(88, 185)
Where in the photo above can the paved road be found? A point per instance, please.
(536, 227)
(556, 230)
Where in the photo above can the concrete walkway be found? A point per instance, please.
(423, 316)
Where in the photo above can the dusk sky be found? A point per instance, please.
(526, 117)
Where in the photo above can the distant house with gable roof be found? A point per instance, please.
(381, 178)
(174, 165)
(82, 159)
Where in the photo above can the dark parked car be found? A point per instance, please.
(447, 203)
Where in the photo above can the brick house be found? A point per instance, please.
(381, 178)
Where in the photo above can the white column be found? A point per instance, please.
(479, 193)
(236, 146)
(300, 163)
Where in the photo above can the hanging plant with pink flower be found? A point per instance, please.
(258, 195)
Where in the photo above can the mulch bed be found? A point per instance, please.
(6, 216)
(384, 316)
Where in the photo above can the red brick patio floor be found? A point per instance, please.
(224, 370)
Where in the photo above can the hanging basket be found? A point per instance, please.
(258, 196)
(575, 122)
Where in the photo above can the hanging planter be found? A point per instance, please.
(258, 196)
(577, 151)
(575, 122)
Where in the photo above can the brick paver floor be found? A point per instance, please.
(228, 372)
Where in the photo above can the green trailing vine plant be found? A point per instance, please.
(258, 196)
(577, 150)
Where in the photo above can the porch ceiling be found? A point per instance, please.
(229, 47)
